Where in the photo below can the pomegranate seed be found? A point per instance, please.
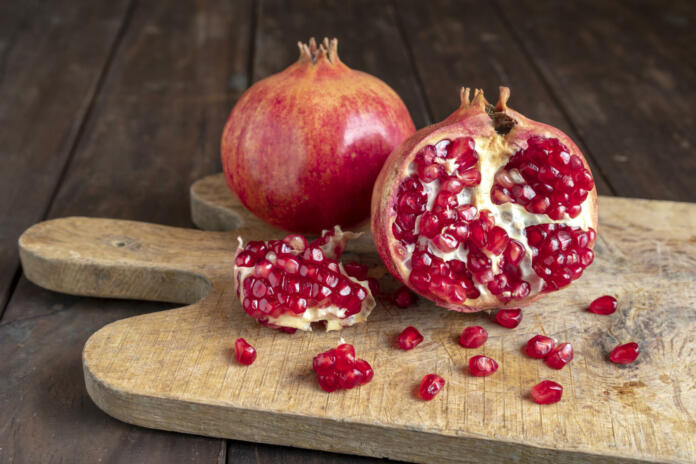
(547, 392)
(603, 305)
(403, 298)
(374, 286)
(625, 354)
(324, 362)
(559, 356)
(539, 346)
(245, 353)
(473, 337)
(357, 270)
(470, 178)
(338, 368)
(431, 386)
(245, 259)
(509, 318)
(350, 378)
(410, 338)
(345, 357)
(467, 212)
(482, 366)
(296, 242)
(365, 369)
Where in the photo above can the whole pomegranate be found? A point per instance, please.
(302, 148)
(486, 209)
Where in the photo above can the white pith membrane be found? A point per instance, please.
(494, 152)
(332, 243)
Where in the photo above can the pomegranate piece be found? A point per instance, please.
(409, 338)
(559, 356)
(288, 284)
(547, 392)
(403, 297)
(530, 231)
(473, 337)
(625, 354)
(482, 366)
(339, 369)
(509, 318)
(430, 386)
(539, 346)
(603, 305)
(244, 352)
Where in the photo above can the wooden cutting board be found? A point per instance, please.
(171, 370)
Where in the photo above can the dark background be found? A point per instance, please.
(114, 107)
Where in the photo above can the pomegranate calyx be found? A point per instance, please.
(327, 49)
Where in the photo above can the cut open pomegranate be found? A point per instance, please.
(290, 283)
(487, 209)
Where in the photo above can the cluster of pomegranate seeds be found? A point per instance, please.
(473, 337)
(482, 366)
(403, 297)
(539, 346)
(625, 354)
(559, 356)
(430, 386)
(545, 178)
(603, 305)
(560, 253)
(509, 318)
(338, 368)
(244, 352)
(547, 392)
(409, 338)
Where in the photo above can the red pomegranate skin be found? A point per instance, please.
(302, 148)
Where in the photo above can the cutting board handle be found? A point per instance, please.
(126, 259)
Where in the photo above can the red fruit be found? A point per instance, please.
(625, 354)
(603, 305)
(302, 148)
(245, 353)
(473, 337)
(539, 346)
(559, 356)
(482, 366)
(409, 338)
(430, 386)
(357, 270)
(338, 368)
(282, 284)
(428, 211)
(403, 298)
(509, 318)
(547, 392)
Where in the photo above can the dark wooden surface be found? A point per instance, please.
(112, 108)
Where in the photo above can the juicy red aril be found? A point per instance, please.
(539, 346)
(338, 368)
(509, 318)
(547, 392)
(482, 366)
(603, 305)
(244, 352)
(473, 337)
(430, 386)
(357, 270)
(409, 338)
(403, 298)
(559, 356)
(625, 354)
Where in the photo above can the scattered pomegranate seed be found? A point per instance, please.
(431, 386)
(509, 318)
(473, 337)
(625, 354)
(410, 338)
(539, 346)
(338, 368)
(547, 392)
(357, 270)
(403, 298)
(559, 356)
(603, 305)
(482, 366)
(245, 353)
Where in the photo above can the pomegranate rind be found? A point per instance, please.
(471, 119)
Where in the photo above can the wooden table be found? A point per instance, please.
(113, 108)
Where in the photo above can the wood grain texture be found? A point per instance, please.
(172, 369)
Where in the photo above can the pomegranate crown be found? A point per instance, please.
(327, 49)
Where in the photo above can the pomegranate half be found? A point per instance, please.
(302, 148)
(486, 209)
